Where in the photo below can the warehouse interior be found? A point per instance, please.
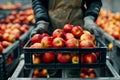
(23, 57)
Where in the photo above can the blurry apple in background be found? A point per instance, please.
(36, 59)
(5, 36)
(14, 13)
(63, 57)
(24, 28)
(72, 43)
(48, 57)
(36, 38)
(90, 58)
(58, 42)
(11, 38)
(77, 31)
(58, 33)
(16, 33)
(67, 28)
(46, 41)
(69, 36)
(5, 44)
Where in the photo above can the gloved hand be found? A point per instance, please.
(41, 27)
(90, 25)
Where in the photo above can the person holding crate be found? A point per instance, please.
(52, 14)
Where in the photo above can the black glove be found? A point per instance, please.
(90, 25)
(41, 27)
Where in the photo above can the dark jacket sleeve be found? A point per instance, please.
(40, 8)
(93, 8)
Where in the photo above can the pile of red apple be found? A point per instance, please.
(10, 5)
(23, 16)
(87, 73)
(68, 37)
(9, 33)
(39, 73)
(109, 22)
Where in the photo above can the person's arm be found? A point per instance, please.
(91, 14)
(93, 8)
(40, 8)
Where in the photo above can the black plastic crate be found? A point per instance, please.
(109, 42)
(10, 58)
(105, 73)
(24, 38)
(28, 52)
(116, 56)
(2, 68)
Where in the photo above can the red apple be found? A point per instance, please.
(82, 75)
(86, 32)
(35, 76)
(72, 43)
(58, 33)
(44, 73)
(47, 41)
(63, 57)
(36, 72)
(44, 34)
(77, 31)
(67, 28)
(90, 58)
(86, 43)
(36, 59)
(92, 75)
(110, 46)
(10, 59)
(75, 59)
(48, 57)
(58, 42)
(85, 37)
(36, 45)
(86, 76)
(69, 36)
(36, 38)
